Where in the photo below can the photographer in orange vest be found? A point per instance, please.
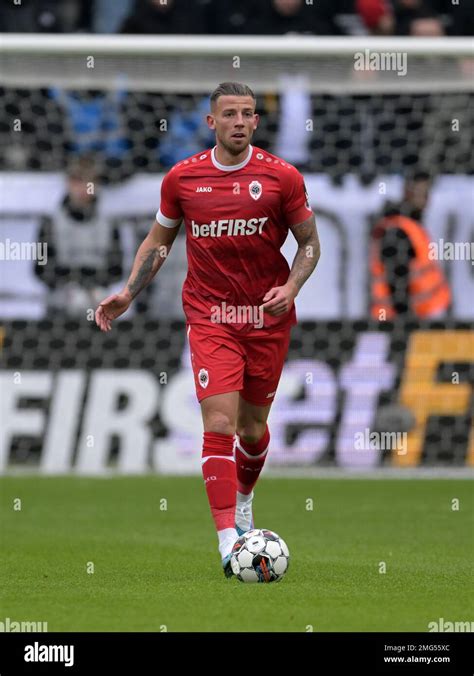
(404, 279)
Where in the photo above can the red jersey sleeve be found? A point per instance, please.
(169, 214)
(295, 201)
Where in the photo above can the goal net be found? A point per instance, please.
(354, 105)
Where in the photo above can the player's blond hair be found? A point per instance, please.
(231, 89)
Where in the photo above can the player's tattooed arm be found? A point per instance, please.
(150, 257)
(279, 300)
(148, 265)
(309, 251)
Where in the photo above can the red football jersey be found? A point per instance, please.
(236, 220)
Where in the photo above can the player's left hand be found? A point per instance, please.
(278, 301)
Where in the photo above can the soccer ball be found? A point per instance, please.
(260, 555)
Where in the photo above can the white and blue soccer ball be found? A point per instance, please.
(260, 555)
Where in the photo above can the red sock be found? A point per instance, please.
(218, 471)
(250, 458)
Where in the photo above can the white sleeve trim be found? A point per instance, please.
(167, 222)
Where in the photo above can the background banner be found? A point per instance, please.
(352, 394)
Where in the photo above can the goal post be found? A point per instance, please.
(192, 64)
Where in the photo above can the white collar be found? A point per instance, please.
(231, 167)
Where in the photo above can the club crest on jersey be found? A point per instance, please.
(203, 377)
(255, 189)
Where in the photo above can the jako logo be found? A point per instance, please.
(229, 227)
(204, 188)
(50, 653)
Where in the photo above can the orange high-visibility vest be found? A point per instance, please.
(427, 286)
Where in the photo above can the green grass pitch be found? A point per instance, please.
(157, 569)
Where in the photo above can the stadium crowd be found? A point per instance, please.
(251, 17)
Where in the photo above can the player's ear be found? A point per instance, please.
(211, 123)
(256, 120)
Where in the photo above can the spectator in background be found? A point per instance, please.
(376, 15)
(226, 17)
(404, 279)
(174, 17)
(43, 16)
(186, 135)
(427, 14)
(426, 24)
(462, 19)
(84, 251)
(286, 16)
(109, 15)
(95, 123)
(280, 17)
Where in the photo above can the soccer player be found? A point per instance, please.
(237, 203)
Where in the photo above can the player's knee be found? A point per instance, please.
(251, 432)
(219, 423)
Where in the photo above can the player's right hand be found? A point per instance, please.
(111, 308)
